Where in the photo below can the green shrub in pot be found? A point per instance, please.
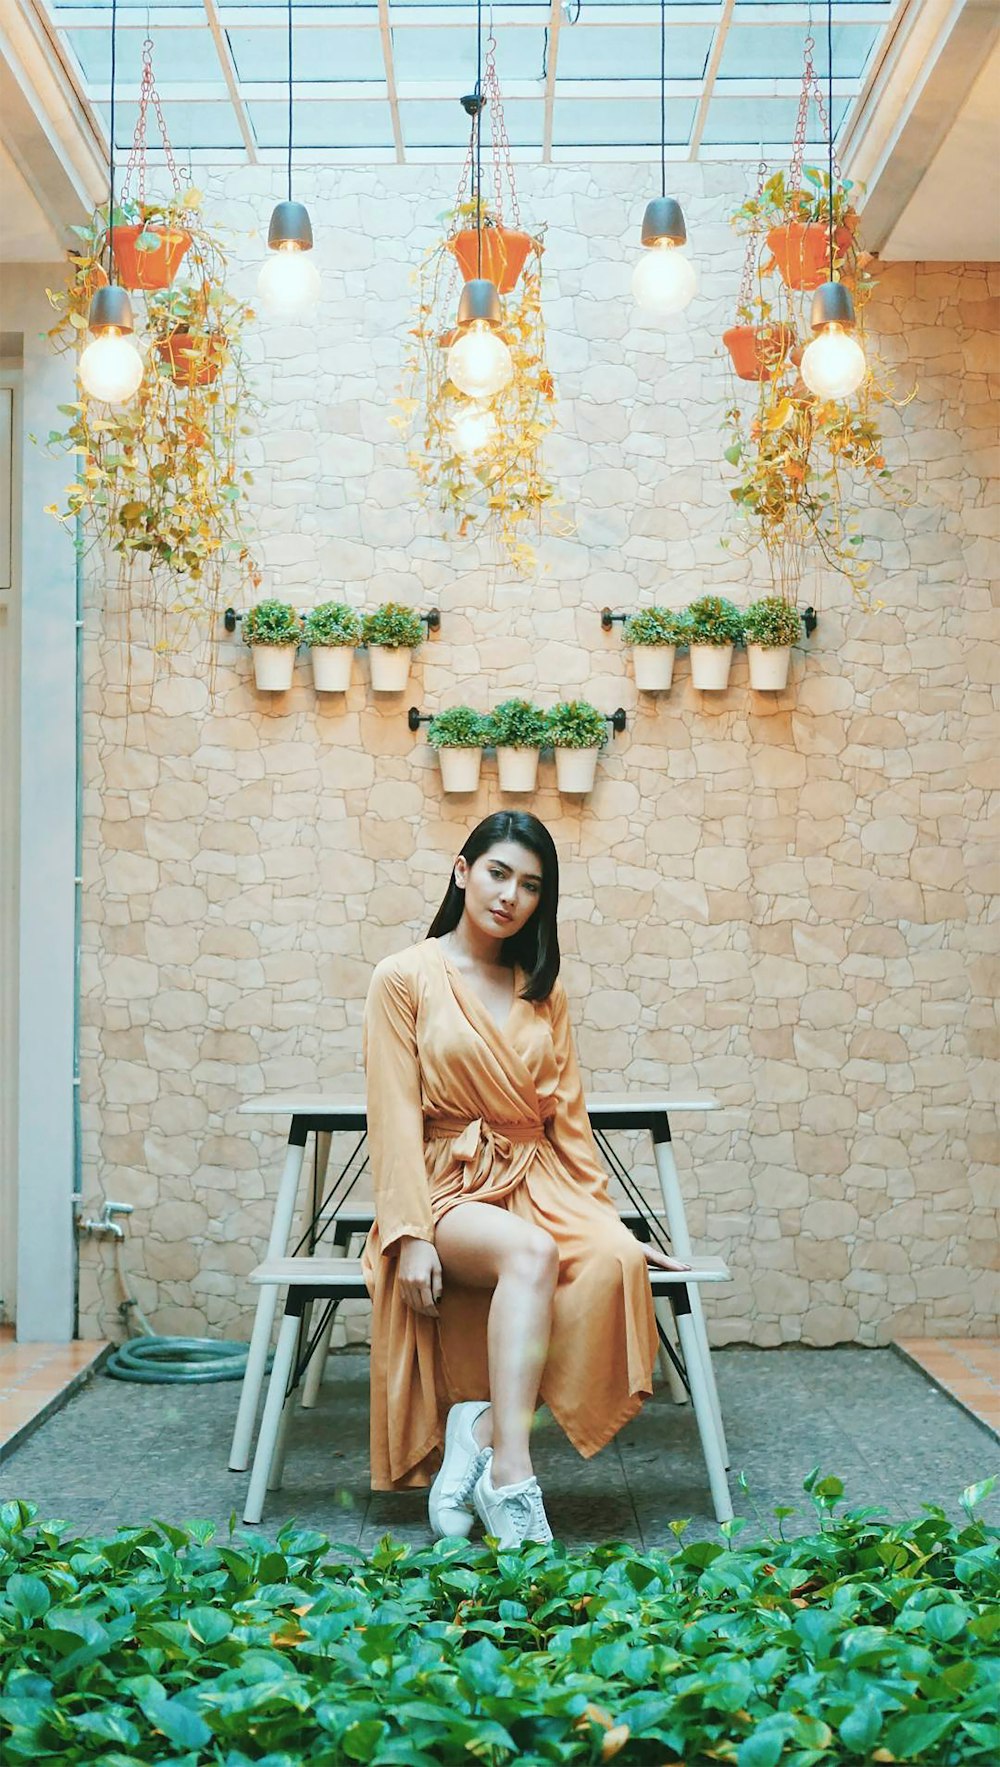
(459, 734)
(655, 634)
(771, 627)
(577, 732)
(391, 633)
(332, 623)
(519, 731)
(332, 631)
(273, 631)
(714, 627)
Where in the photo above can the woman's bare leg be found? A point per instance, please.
(486, 1247)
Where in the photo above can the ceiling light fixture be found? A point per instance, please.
(289, 283)
(479, 362)
(664, 280)
(833, 364)
(111, 366)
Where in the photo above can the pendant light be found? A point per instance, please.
(289, 283)
(479, 363)
(473, 430)
(111, 366)
(664, 279)
(833, 364)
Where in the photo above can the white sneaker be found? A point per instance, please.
(514, 1514)
(449, 1503)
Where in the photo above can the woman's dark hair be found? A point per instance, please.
(536, 946)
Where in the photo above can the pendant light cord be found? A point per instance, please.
(479, 138)
(829, 123)
(111, 201)
(289, 100)
(663, 97)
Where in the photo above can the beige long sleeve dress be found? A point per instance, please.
(460, 1110)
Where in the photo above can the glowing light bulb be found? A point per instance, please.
(833, 365)
(111, 367)
(479, 362)
(663, 281)
(288, 283)
(473, 430)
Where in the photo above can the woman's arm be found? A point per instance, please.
(395, 1110)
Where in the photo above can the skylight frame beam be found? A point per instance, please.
(232, 79)
(709, 78)
(874, 12)
(551, 59)
(385, 33)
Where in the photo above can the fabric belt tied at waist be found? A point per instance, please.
(468, 1136)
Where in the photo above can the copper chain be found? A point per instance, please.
(750, 260)
(811, 88)
(137, 158)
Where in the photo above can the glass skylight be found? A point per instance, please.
(579, 77)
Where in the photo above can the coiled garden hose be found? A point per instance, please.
(151, 1358)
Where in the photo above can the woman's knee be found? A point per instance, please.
(533, 1256)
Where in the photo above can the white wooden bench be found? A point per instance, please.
(330, 1281)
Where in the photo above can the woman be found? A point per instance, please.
(500, 1271)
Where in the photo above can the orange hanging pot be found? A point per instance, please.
(504, 253)
(192, 360)
(150, 268)
(801, 250)
(758, 351)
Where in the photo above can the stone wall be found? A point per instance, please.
(781, 900)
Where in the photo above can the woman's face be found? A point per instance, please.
(502, 888)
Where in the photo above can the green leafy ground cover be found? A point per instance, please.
(862, 1642)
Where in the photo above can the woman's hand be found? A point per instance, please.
(420, 1276)
(658, 1260)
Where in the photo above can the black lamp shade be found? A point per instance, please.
(110, 306)
(832, 305)
(479, 300)
(664, 219)
(290, 225)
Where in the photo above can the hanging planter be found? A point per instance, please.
(578, 732)
(801, 249)
(459, 735)
(273, 631)
(519, 731)
(504, 253)
(759, 351)
(477, 398)
(191, 359)
(148, 253)
(392, 634)
(331, 632)
(165, 480)
(714, 626)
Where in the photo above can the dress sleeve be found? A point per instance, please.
(395, 1111)
(569, 1127)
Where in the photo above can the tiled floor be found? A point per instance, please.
(34, 1379)
(967, 1368)
(119, 1454)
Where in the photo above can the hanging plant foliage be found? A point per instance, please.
(480, 462)
(804, 462)
(160, 483)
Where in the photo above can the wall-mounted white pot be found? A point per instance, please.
(460, 768)
(332, 665)
(390, 667)
(710, 666)
(576, 769)
(518, 768)
(273, 666)
(653, 666)
(769, 666)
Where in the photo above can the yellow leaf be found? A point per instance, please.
(614, 1740)
(780, 415)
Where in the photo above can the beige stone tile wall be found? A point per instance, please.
(782, 900)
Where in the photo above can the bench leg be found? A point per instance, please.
(270, 1424)
(667, 1371)
(680, 1239)
(317, 1365)
(260, 1339)
(704, 1416)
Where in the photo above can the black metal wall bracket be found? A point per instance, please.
(608, 619)
(231, 619)
(810, 619)
(415, 717)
